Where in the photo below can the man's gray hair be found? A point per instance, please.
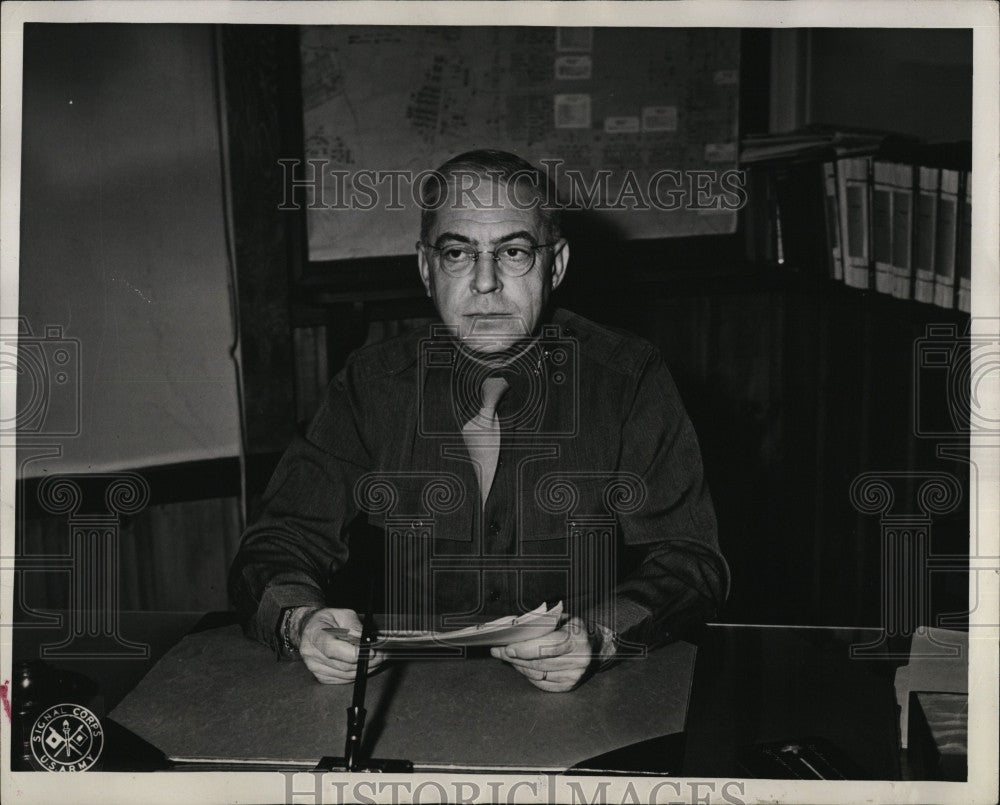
(502, 167)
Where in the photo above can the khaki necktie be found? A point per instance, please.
(482, 435)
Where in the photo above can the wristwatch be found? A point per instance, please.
(284, 634)
(289, 630)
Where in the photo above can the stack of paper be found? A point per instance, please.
(500, 632)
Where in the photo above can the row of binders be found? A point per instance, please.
(876, 212)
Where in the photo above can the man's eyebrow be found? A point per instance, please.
(446, 236)
(521, 234)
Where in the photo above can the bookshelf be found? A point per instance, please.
(872, 210)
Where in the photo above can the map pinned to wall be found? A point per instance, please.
(624, 110)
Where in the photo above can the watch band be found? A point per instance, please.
(284, 634)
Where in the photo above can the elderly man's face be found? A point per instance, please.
(489, 308)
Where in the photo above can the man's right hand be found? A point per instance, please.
(333, 659)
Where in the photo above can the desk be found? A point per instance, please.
(751, 684)
(219, 697)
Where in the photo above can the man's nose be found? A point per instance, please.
(485, 278)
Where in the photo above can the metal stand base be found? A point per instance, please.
(376, 765)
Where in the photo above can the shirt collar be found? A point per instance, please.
(519, 365)
(455, 383)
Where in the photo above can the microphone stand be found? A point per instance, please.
(356, 714)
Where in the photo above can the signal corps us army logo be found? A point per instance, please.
(67, 737)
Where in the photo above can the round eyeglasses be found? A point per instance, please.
(513, 259)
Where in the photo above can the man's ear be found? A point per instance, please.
(425, 268)
(560, 258)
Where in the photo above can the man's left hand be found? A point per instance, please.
(555, 662)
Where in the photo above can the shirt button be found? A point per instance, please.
(494, 595)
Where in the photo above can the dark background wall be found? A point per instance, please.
(795, 384)
(916, 82)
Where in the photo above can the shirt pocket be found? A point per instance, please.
(423, 505)
(556, 502)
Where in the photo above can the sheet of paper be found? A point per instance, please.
(500, 632)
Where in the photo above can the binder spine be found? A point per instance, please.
(882, 226)
(945, 240)
(963, 268)
(902, 230)
(925, 232)
(855, 205)
(833, 225)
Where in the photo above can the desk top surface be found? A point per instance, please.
(218, 696)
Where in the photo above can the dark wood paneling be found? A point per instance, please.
(796, 387)
(172, 557)
(257, 102)
(866, 385)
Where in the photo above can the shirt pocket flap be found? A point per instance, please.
(557, 502)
